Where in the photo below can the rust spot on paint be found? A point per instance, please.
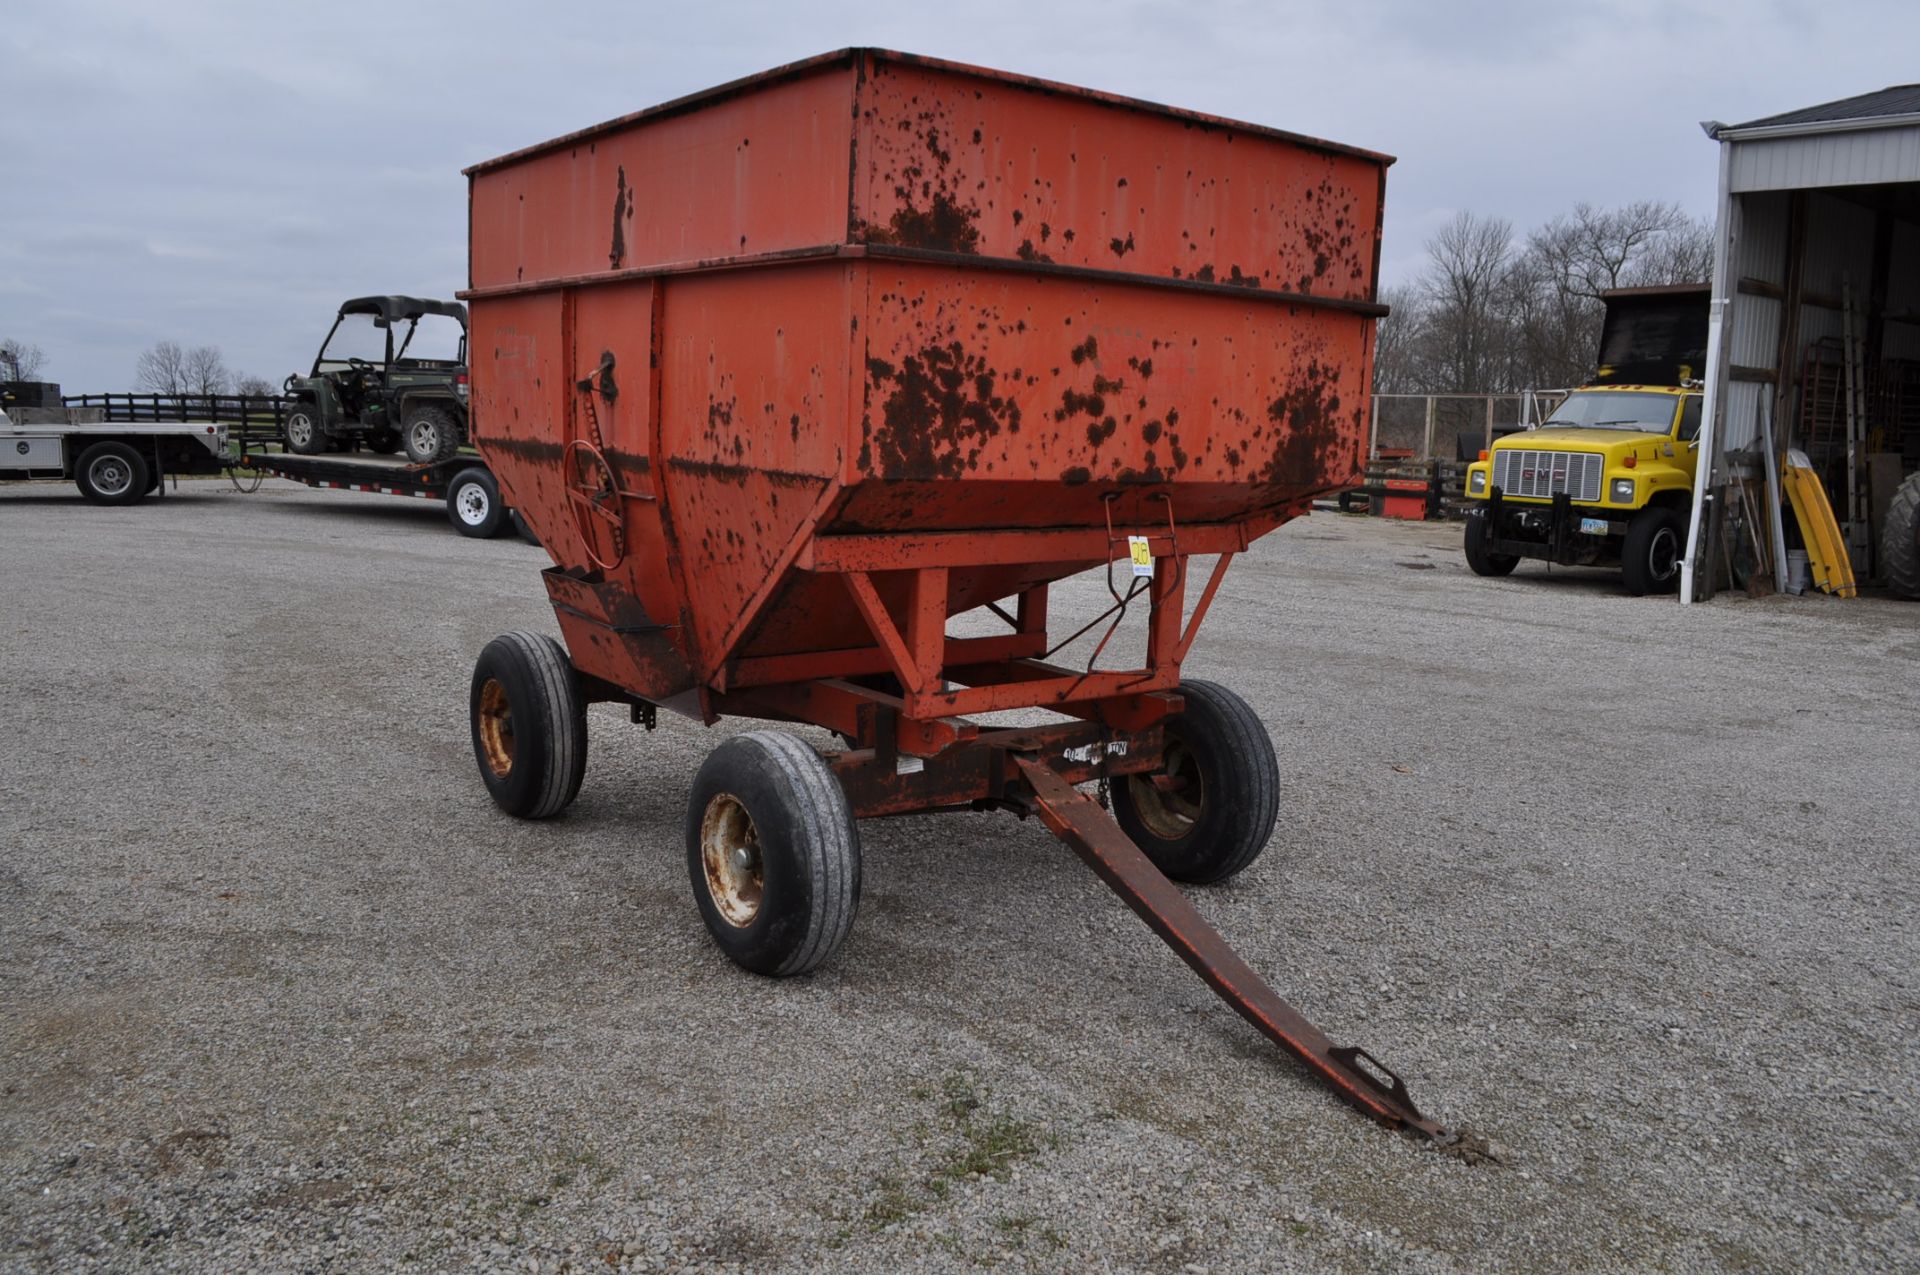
(622, 209)
(943, 408)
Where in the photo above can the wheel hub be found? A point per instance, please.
(496, 728)
(111, 477)
(731, 860)
(472, 503)
(1170, 800)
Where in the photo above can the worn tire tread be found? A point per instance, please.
(1900, 539)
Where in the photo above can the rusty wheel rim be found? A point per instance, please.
(731, 861)
(1170, 800)
(496, 728)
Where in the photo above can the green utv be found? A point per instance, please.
(392, 373)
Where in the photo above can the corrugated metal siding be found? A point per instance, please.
(1753, 323)
(1827, 159)
(1839, 252)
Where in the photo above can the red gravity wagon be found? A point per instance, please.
(788, 373)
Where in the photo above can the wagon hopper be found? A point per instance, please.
(788, 373)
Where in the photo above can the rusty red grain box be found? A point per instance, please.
(871, 313)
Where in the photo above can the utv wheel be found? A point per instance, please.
(1650, 555)
(111, 474)
(1900, 540)
(1483, 560)
(473, 504)
(529, 725)
(384, 441)
(302, 432)
(773, 853)
(430, 434)
(1209, 811)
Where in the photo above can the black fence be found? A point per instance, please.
(250, 418)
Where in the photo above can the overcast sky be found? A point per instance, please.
(226, 173)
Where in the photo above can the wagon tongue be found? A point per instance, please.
(1354, 1074)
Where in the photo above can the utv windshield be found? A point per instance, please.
(355, 336)
(1646, 413)
(430, 339)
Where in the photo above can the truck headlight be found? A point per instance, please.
(1621, 492)
(1477, 483)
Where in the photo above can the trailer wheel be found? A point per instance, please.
(521, 528)
(474, 506)
(1209, 811)
(529, 725)
(1481, 559)
(301, 432)
(1900, 540)
(1650, 555)
(429, 434)
(111, 474)
(773, 853)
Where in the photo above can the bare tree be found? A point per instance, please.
(207, 371)
(1398, 340)
(20, 361)
(162, 369)
(1469, 261)
(255, 386)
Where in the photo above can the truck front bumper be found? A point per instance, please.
(1558, 531)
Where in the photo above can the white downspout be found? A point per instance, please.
(1717, 360)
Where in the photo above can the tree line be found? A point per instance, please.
(166, 367)
(1492, 312)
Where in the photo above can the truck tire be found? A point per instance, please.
(474, 506)
(1650, 555)
(301, 430)
(772, 853)
(112, 474)
(1481, 559)
(1900, 540)
(429, 434)
(529, 725)
(1217, 797)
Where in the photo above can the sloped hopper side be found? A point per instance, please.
(1040, 314)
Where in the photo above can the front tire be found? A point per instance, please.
(112, 474)
(1210, 809)
(1481, 559)
(1650, 555)
(529, 725)
(773, 853)
(302, 433)
(474, 506)
(430, 434)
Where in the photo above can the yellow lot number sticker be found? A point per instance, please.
(1142, 555)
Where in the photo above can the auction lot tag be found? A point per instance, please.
(1142, 557)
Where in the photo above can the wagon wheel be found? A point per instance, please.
(595, 499)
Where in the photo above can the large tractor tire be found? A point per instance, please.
(1900, 540)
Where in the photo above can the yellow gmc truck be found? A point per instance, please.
(1606, 481)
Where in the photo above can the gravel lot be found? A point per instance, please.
(1627, 889)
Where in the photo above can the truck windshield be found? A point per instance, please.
(1647, 413)
(354, 337)
(432, 338)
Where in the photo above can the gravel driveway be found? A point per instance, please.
(1628, 889)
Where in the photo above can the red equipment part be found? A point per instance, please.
(786, 374)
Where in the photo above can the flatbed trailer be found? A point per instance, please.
(464, 482)
(111, 462)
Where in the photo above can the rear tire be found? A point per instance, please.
(1481, 559)
(430, 434)
(474, 506)
(1220, 811)
(301, 431)
(1650, 555)
(773, 853)
(529, 725)
(1900, 540)
(112, 474)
